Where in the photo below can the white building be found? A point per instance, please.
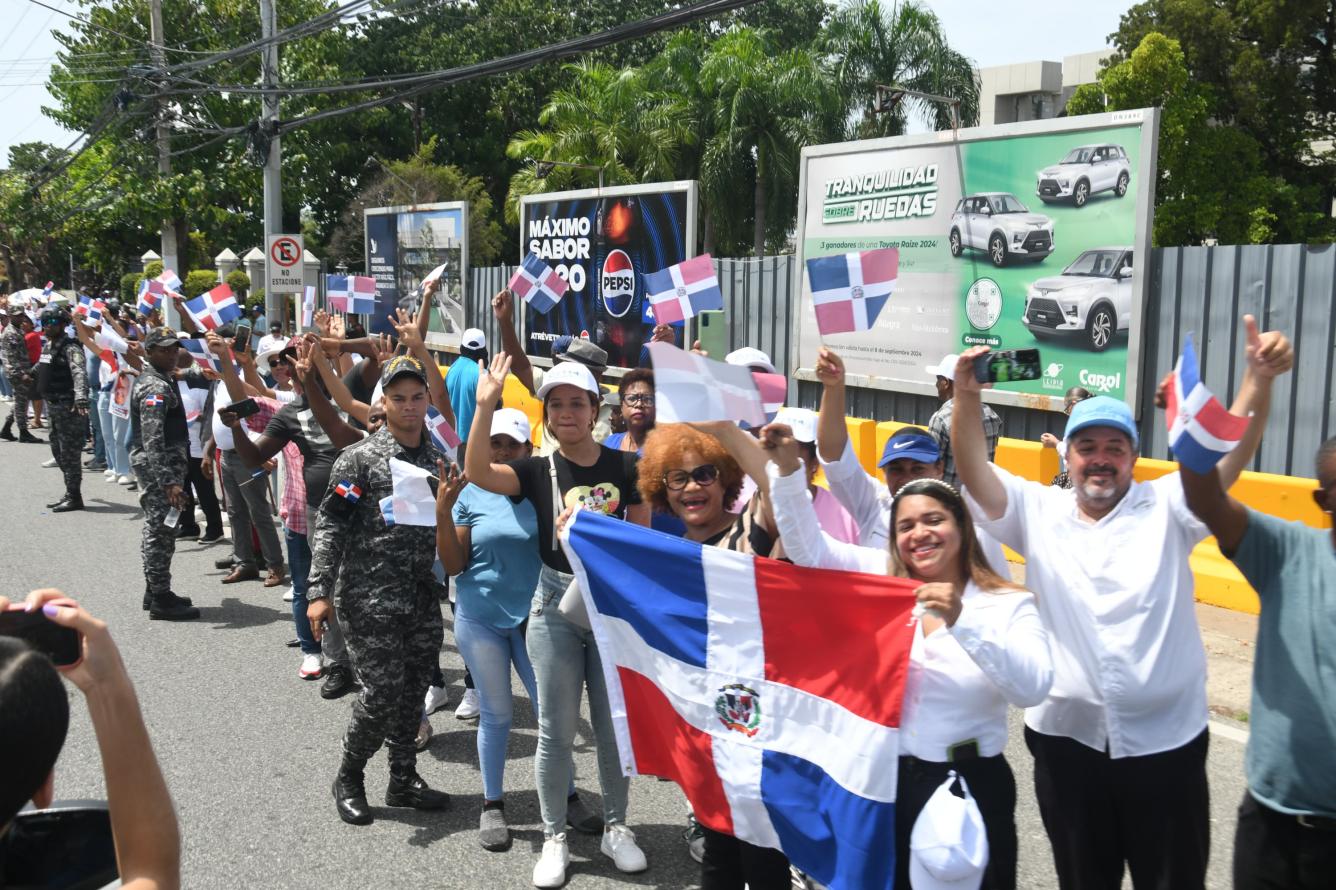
(1029, 91)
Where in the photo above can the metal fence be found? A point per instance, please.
(1206, 290)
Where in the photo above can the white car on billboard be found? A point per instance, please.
(998, 223)
(1086, 170)
(1091, 299)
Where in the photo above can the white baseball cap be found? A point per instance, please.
(802, 420)
(948, 848)
(511, 422)
(568, 373)
(751, 357)
(946, 369)
(473, 339)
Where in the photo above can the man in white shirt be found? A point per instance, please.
(1120, 743)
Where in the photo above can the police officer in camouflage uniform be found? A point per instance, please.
(159, 452)
(386, 597)
(62, 379)
(19, 370)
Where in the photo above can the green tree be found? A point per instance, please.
(197, 282)
(870, 43)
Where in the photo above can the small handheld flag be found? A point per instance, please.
(681, 291)
(362, 293)
(348, 491)
(537, 284)
(308, 306)
(214, 309)
(690, 387)
(50, 286)
(443, 435)
(413, 502)
(1201, 431)
(150, 296)
(849, 290)
(199, 351)
(336, 293)
(169, 280)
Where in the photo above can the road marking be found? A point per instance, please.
(1233, 733)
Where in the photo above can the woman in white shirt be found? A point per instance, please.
(979, 647)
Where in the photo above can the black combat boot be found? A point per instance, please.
(7, 432)
(170, 607)
(148, 599)
(71, 501)
(407, 789)
(350, 792)
(29, 439)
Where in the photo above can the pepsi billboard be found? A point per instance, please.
(604, 242)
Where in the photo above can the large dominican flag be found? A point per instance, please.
(1201, 431)
(679, 292)
(782, 730)
(214, 309)
(849, 290)
(538, 284)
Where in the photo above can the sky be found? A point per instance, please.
(984, 31)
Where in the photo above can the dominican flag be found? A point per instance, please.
(308, 306)
(169, 280)
(348, 491)
(214, 309)
(537, 284)
(443, 435)
(50, 286)
(153, 401)
(387, 510)
(199, 351)
(336, 293)
(90, 308)
(690, 387)
(150, 296)
(1201, 431)
(781, 731)
(679, 292)
(362, 294)
(849, 290)
(774, 389)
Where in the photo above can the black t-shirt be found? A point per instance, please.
(296, 423)
(609, 487)
(359, 390)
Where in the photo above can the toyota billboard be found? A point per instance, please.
(604, 242)
(1016, 236)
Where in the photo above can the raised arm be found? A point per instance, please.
(341, 434)
(831, 433)
(411, 338)
(968, 442)
(251, 376)
(1269, 355)
(187, 322)
(503, 307)
(236, 389)
(496, 478)
(742, 447)
(453, 543)
(337, 390)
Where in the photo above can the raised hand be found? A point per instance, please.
(338, 326)
(492, 380)
(829, 366)
(1270, 354)
(217, 345)
(777, 439)
(965, 381)
(450, 483)
(503, 307)
(406, 327)
(322, 322)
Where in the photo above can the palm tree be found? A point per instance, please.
(766, 107)
(871, 43)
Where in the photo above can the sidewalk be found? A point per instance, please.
(1230, 638)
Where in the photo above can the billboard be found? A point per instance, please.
(403, 244)
(603, 242)
(1030, 235)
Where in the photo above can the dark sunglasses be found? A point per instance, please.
(704, 475)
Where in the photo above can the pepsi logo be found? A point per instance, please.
(617, 285)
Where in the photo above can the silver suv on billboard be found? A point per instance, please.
(1086, 170)
(1091, 299)
(998, 223)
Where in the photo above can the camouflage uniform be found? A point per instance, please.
(159, 454)
(385, 594)
(14, 356)
(64, 384)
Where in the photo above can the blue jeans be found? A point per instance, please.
(118, 456)
(489, 652)
(5, 389)
(565, 660)
(299, 568)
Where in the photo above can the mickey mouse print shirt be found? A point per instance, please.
(607, 486)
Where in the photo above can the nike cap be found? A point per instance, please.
(911, 445)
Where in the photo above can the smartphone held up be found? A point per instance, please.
(1007, 366)
(63, 645)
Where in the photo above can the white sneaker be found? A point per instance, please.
(289, 595)
(468, 706)
(436, 699)
(109, 476)
(619, 845)
(311, 667)
(50, 463)
(126, 479)
(550, 870)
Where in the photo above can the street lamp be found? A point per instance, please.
(889, 97)
(542, 169)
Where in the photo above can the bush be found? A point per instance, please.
(255, 299)
(153, 269)
(239, 281)
(198, 282)
(130, 287)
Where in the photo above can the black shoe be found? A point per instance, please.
(408, 790)
(338, 682)
(8, 435)
(350, 793)
(29, 439)
(210, 537)
(171, 608)
(187, 531)
(70, 503)
(226, 562)
(148, 600)
(293, 643)
(94, 465)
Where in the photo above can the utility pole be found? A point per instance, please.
(273, 183)
(171, 254)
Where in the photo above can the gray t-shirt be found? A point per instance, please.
(1291, 759)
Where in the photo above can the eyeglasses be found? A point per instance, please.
(704, 475)
(638, 400)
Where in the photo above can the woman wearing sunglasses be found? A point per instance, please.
(979, 645)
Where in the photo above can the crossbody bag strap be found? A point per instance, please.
(556, 496)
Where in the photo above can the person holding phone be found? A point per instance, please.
(940, 422)
(34, 719)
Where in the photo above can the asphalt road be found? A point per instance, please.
(249, 749)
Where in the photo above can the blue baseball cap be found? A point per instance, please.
(1102, 411)
(914, 445)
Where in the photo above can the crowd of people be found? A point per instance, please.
(1099, 645)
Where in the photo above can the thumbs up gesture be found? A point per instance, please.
(1270, 354)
